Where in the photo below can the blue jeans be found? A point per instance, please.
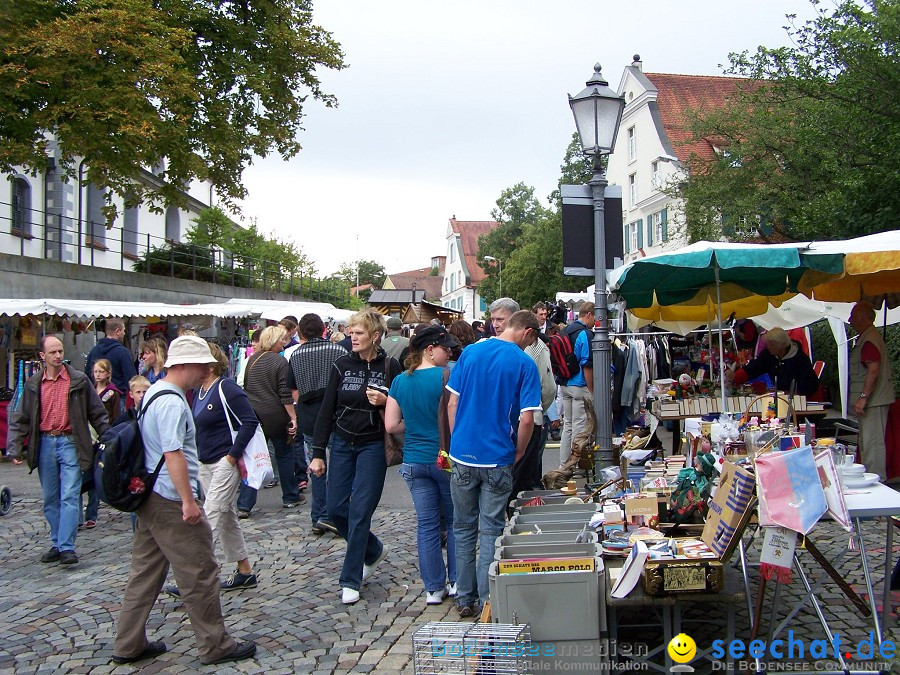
(480, 496)
(355, 481)
(430, 490)
(318, 486)
(61, 483)
(284, 463)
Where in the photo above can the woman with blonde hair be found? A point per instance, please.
(266, 385)
(353, 409)
(219, 406)
(153, 355)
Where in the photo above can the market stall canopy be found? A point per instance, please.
(682, 285)
(871, 271)
(276, 310)
(97, 308)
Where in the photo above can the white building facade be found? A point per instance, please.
(461, 271)
(651, 152)
(47, 215)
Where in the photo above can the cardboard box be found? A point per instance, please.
(729, 510)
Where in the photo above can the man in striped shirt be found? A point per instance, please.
(310, 368)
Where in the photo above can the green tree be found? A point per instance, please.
(517, 208)
(370, 272)
(203, 85)
(809, 144)
(532, 239)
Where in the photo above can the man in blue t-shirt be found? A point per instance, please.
(494, 391)
(580, 386)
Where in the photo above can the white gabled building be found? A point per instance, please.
(652, 151)
(461, 271)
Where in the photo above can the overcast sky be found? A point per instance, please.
(445, 104)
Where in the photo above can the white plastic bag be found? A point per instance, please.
(256, 455)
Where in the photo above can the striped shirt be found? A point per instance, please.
(310, 369)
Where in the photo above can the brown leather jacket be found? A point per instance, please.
(85, 408)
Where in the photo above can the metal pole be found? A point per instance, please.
(500, 262)
(721, 348)
(600, 346)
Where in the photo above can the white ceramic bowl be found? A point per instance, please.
(853, 469)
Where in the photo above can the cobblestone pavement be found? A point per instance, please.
(54, 618)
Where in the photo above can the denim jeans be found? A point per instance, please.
(318, 485)
(284, 463)
(430, 490)
(61, 484)
(480, 496)
(355, 481)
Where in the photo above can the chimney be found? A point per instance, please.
(637, 63)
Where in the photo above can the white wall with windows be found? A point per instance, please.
(455, 292)
(44, 215)
(643, 165)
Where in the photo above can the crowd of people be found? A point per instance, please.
(473, 404)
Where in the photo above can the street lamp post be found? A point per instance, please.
(598, 111)
(499, 262)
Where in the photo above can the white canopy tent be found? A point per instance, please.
(276, 310)
(96, 308)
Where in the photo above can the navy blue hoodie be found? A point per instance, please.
(120, 358)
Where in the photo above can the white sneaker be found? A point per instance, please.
(435, 598)
(349, 596)
(451, 590)
(368, 570)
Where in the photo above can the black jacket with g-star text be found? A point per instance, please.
(345, 409)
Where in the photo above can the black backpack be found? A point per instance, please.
(563, 361)
(121, 478)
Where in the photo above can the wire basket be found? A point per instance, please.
(472, 648)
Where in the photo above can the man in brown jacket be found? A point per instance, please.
(57, 405)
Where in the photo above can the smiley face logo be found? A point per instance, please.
(682, 648)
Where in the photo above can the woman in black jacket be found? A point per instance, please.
(353, 409)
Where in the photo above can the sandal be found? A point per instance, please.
(90, 524)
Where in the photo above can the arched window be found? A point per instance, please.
(96, 221)
(130, 232)
(21, 206)
(173, 224)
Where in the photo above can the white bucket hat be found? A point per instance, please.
(188, 349)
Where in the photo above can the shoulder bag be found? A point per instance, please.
(256, 455)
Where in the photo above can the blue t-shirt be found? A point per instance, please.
(418, 395)
(496, 382)
(168, 426)
(582, 350)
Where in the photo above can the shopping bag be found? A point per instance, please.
(257, 460)
(256, 457)
(790, 491)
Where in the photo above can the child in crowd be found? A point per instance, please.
(137, 387)
(111, 397)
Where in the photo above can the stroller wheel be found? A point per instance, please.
(5, 500)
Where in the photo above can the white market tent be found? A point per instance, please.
(276, 310)
(97, 308)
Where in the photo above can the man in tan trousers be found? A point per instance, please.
(171, 527)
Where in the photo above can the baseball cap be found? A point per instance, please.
(433, 335)
(188, 349)
(394, 323)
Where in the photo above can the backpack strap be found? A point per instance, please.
(141, 414)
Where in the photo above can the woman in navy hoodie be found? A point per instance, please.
(353, 408)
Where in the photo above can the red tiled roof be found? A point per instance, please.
(469, 231)
(432, 285)
(680, 93)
